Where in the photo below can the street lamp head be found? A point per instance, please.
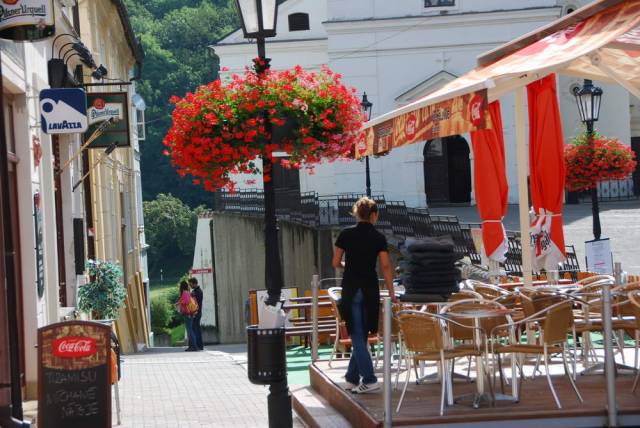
(258, 18)
(366, 106)
(588, 98)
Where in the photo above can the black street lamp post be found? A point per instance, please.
(266, 348)
(366, 110)
(588, 98)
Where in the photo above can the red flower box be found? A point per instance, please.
(222, 128)
(588, 163)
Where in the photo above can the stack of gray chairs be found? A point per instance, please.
(429, 269)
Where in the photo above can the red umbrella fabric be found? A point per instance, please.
(491, 185)
(546, 168)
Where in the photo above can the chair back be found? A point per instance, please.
(421, 333)
(335, 294)
(634, 305)
(558, 319)
(488, 291)
(487, 324)
(395, 325)
(464, 294)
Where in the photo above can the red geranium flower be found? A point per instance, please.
(222, 128)
(588, 163)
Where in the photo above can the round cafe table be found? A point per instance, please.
(476, 315)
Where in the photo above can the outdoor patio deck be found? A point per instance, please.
(421, 404)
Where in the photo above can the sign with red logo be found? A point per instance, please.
(74, 347)
(455, 116)
(74, 375)
(410, 126)
(197, 271)
(26, 19)
(112, 107)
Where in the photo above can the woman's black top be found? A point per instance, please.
(361, 244)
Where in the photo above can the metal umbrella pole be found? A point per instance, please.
(386, 361)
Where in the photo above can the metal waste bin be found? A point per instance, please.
(267, 357)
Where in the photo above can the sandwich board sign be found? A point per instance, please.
(74, 368)
(63, 111)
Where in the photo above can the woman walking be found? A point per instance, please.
(186, 308)
(362, 246)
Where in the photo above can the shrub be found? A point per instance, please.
(105, 294)
(160, 313)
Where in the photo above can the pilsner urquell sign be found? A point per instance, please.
(105, 106)
(26, 19)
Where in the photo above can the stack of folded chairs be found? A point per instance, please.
(429, 271)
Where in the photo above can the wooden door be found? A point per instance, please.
(436, 180)
(459, 170)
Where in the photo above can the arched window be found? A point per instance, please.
(298, 22)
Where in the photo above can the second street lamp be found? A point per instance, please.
(367, 106)
(588, 99)
(266, 347)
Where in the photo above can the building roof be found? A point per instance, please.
(132, 40)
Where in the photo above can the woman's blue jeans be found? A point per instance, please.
(360, 364)
(188, 324)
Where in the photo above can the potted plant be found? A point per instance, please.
(105, 293)
(590, 161)
(222, 128)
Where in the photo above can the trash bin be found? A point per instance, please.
(267, 357)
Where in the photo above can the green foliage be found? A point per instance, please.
(176, 36)
(170, 229)
(172, 296)
(160, 313)
(104, 295)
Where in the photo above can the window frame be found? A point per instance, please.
(437, 8)
(296, 15)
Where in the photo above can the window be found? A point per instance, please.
(140, 124)
(439, 3)
(298, 22)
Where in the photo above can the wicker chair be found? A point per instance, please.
(634, 299)
(555, 321)
(342, 339)
(424, 341)
(488, 291)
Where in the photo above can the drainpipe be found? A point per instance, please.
(11, 415)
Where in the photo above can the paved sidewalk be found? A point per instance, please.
(169, 388)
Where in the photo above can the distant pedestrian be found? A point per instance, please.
(187, 306)
(362, 245)
(196, 292)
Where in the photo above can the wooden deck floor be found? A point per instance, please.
(536, 408)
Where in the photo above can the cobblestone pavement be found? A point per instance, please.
(168, 388)
(620, 222)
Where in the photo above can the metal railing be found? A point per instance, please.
(395, 219)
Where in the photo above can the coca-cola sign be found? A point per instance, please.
(74, 347)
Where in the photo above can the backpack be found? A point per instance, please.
(192, 306)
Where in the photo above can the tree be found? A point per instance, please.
(175, 36)
(170, 230)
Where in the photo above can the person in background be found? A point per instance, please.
(187, 314)
(196, 292)
(362, 246)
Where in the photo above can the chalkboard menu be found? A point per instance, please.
(74, 389)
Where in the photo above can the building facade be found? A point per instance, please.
(397, 52)
(60, 215)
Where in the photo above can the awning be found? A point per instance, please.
(600, 41)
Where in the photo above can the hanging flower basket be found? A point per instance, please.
(222, 128)
(588, 163)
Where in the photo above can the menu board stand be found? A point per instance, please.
(74, 371)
